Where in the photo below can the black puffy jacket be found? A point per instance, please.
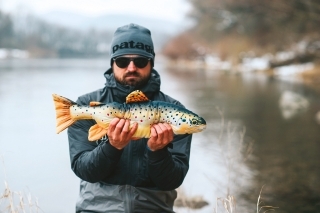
(133, 179)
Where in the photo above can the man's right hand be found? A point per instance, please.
(119, 133)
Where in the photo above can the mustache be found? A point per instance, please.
(131, 74)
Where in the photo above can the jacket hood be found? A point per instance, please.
(152, 87)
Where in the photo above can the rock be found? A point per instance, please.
(292, 103)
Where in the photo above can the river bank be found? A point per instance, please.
(306, 73)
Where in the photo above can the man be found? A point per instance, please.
(120, 173)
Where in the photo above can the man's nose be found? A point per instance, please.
(131, 66)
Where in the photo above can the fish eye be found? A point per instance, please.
(194, 122)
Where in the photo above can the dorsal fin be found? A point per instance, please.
(136, 96)
(95, 103)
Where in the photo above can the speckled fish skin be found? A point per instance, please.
(145, 113)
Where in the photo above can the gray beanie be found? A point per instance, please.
(132, 39)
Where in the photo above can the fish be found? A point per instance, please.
(137, 108)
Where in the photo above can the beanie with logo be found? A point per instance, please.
(132, 39)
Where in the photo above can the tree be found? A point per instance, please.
(263, 20)
(6, 31)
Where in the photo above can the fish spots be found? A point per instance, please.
(145, 113)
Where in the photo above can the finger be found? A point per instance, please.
(169, 131)
(156, 141)
(119, 127)
(165, 132)
(159, 131)
(113, 125)
(168, 126)
(153, 133)
(133, 129)
(125, 128)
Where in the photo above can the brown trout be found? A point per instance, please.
(137, 108)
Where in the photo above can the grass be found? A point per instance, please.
(17, 201)
(241, 154)
(229, 204)
(233, 151)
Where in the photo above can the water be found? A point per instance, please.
(248, 143)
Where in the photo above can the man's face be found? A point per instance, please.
(132, 75)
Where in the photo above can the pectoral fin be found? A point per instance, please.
(96, 132)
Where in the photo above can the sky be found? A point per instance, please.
(174, 10)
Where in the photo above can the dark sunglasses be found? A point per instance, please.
(139, 62)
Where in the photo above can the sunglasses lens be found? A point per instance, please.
(122, 62)
(139, 62)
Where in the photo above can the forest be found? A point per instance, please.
(274, 33)
(45, 40)
(229, 27)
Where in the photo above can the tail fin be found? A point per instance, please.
(63, 117)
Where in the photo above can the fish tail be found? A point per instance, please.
(63, 116)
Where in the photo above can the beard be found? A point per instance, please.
(137, 82)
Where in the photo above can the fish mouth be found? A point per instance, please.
(202, 127)
(199, 128)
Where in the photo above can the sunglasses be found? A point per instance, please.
(139, 62)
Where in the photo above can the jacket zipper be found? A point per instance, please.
(128, 188)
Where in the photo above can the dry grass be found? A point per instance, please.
(17, 201)
(229, 204)
(232, 153)
(237, 152)
(263, 208)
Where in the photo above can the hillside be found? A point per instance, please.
(63, 34)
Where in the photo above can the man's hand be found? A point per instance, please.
(119, 133)
(161, 136)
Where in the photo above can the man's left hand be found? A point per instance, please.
(161, 136)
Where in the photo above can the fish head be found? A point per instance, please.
(189, 123)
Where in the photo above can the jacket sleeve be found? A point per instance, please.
(89, 161)
(168, 167)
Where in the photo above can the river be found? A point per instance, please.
(249, 143)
